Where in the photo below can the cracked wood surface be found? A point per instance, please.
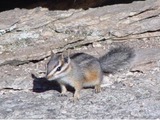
(26, 37)
(39, 30)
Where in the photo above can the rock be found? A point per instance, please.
(86, 26)
(27, 36)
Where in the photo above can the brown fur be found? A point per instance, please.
(84, 70)
(77, 87)
(91, 76)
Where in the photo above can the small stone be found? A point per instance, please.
(9, 110)
(96, 44)
(47, 34)
(63, 111)
(129, 73)
(66, 39)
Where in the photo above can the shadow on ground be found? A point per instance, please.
(41, 84)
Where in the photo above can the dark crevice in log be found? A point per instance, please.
(58, 4)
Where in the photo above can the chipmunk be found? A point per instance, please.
(83, 70)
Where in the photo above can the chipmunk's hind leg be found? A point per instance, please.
(77, 88)
(98, 85)
(97, 88)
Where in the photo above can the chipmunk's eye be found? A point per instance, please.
(59, 68)
(65, 60)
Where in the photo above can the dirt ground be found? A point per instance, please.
(27, 35)
(127, 95)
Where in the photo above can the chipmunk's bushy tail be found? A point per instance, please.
(116, 59)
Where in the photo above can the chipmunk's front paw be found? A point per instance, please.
(63, 94)
(63, 90)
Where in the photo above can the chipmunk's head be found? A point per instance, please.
(58, 66)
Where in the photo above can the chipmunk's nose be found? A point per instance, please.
(48, 76)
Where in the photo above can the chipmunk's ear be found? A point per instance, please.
(62, 57)
(65, 58)
(68, 58)
(52, 53)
